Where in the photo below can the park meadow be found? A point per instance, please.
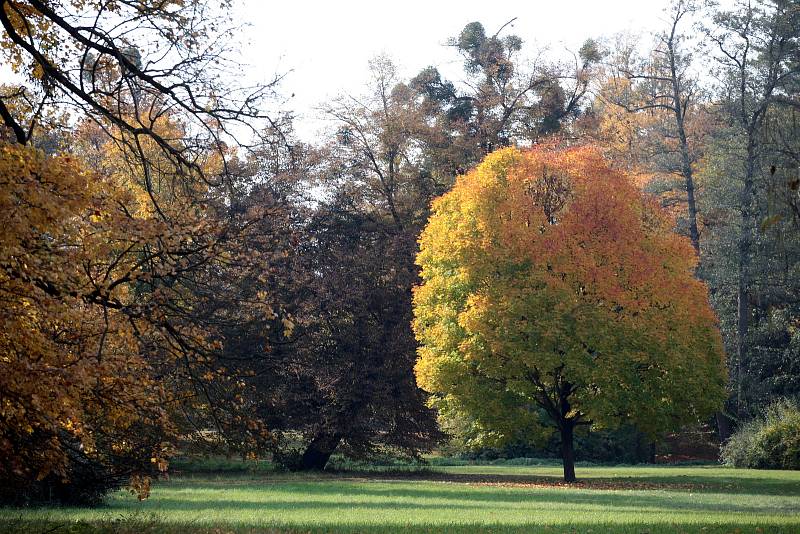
(235, 497)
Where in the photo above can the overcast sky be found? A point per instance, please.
(325, 46)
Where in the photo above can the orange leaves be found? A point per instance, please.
(73, 369)
(139, 485)
(111, 317)
(547, 263)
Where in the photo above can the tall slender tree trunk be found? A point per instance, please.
(567, 429)
(679, 109)
(743, 290)
(686, 170)
(319, 451)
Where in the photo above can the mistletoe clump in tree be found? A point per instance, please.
(555, 294)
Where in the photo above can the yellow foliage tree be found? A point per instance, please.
(555, 294)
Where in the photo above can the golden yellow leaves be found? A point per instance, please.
(160, 463)
(548, 263)
(72, 368)
(139, 485)
(288, 326)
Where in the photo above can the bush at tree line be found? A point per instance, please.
(771, 441)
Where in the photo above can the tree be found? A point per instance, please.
(125, 64)
(344, 381)
(771, 368)
(80, 398)
(757, 44)
(375, 153)
(134, 255)
(501, 100)
(107, 315)
(555, 293)
(350, 386)
(662, 87)
(114, 321)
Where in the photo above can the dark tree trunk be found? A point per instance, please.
(680, 99)
(561, 414)
(686, 161)
(319, 451)
(743, 289)
(568, 450)
(724, 427)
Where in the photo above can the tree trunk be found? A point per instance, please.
(724, 427)
(743, 290)
(686, 161)
(686, 165)
(319, 451)
(568, 450)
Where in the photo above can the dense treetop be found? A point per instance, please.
(550, 282)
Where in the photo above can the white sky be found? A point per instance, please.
(325, 46)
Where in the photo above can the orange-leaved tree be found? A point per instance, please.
(555, 294)
(111, 326)
(76, 387)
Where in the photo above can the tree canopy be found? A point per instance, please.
(555, 293)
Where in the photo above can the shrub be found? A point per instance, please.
(771, 441)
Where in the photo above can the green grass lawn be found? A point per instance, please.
(459, 499)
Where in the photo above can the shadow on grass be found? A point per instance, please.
(572, 527)
(752, 484)
(431, 501)
(369, 496)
